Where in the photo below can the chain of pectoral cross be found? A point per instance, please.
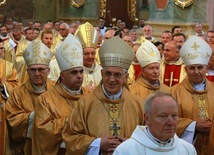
(114, 127)
(200, 101)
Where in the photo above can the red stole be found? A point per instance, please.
(172, 75)
(210, 78)
(137, 70)
(5, 39)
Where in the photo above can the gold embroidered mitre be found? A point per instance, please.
(69, 54)
(147, 54)
(87, 35)
(116, 52)
(195, 51)
(37, 53)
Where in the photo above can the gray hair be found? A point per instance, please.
(198, 23)
(151, 97)
(133, 30)
(149, 26)
(66, 25)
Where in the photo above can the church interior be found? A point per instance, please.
(75, 76)
(160, 14)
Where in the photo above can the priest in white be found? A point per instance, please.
(158, 137)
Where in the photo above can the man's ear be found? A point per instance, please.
(61, 74)
(102, 73)
(127, 76)
(146, 119)
(185, 68)
(142, 71)
(49, 70)
(207, 67)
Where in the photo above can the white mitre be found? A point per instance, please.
(37, 53)
(195, 51)
(69, 54)
(147, 54)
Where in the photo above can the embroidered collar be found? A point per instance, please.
(90, 69)
(72, 92)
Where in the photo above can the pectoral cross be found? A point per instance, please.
(115, 128)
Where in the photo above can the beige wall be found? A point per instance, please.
(210, 14)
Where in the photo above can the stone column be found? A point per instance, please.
(210, 14)
(45, 10)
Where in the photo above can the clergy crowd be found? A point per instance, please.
(83, 89)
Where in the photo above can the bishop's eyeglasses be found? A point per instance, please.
(40, 70)
(116, 75)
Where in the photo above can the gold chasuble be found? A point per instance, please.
(211, 139)
(8, 74)
(195, 105)
(52, 110)
(20, 63)
(9, 54)
(19, 54)
(96, 116)
(20, 104)
(9, 77)
(143, 89)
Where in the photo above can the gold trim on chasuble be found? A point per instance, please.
(89, 81)
(203, 106)
(113, 111)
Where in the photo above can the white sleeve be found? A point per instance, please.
(30, 124)
(94, 148)
(54, 70)
(5, 94)
(62, 145)
(189, 132)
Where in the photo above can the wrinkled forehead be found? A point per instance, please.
(38, 66)
(164, 100)
(113, 69)
(3, 28)
(195, 66)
